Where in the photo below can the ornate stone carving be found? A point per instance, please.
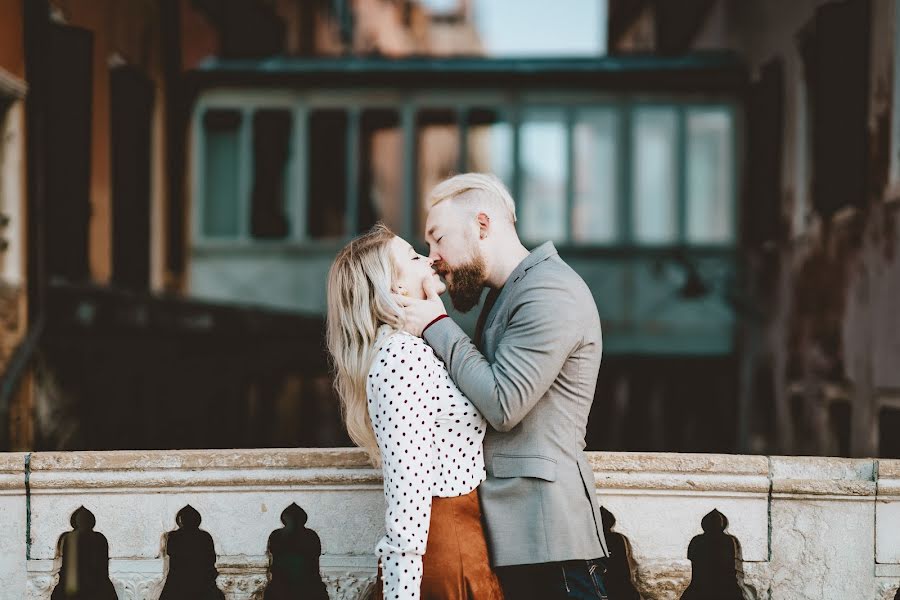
(242, 586)
(661, 580)
(349, 586)
(138, 586)
(888, 590)
(756, 581)
(40, 586)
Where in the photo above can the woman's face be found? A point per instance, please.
(413, 270)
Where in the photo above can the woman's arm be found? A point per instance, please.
(401, 384)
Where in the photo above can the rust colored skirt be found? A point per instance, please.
(456, 564)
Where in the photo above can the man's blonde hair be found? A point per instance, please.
(488, 192)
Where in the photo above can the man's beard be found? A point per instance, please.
(466, 283)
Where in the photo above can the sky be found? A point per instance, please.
(537, 27)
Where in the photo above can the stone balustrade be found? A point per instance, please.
(799, 528)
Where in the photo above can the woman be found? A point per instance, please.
(401, 406)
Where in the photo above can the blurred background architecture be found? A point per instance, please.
(177, 175)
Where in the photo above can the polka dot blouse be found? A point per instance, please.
(430, 440)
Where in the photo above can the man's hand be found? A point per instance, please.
(419, 313)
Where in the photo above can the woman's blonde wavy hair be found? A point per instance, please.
(361, 311)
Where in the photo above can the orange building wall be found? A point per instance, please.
(199, 39)
(122, 31)
(12, 45)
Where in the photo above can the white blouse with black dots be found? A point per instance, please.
(430, 439)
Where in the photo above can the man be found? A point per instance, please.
(531, 371)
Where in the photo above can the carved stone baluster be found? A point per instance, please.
(714, 555)
(618, 578)
(295, 551)
(192, 561)
(85, 562)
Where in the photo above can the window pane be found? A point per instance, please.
(489, 144)
(271, 144)
(542, 206)
(710, 199)
(327, 173)
(653, 175)
(221, 132)
(438, 153)
(381, 169)
(595, 215)
(537, 27)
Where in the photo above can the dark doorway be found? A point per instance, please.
(68, 164)
(131, 114)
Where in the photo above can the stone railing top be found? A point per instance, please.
(888, 469)
(722, 464)
(822, 476)
(12, 472)
(721, 473)
(12, 462)
(782, 467)
(269, 467)
(256, 458)
(813, 476)
(888, 483)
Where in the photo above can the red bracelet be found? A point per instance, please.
(434, 321)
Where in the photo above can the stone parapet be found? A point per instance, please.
(800, 528)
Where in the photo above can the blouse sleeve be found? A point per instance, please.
(405, 416)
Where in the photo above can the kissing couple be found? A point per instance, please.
(481, 442)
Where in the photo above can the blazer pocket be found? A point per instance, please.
(512, 465)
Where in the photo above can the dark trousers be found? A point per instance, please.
(571, 579)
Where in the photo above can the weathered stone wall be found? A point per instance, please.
(827, 284)
(803, 528)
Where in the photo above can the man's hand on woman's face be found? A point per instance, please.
(419, 313)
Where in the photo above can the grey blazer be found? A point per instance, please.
(532, 375)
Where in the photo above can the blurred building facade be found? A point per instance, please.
(819, 222)
(179, 174)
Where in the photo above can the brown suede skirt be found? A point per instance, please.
(456, 564)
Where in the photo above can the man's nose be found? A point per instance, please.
(433, 257)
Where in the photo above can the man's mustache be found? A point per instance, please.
(440, 267)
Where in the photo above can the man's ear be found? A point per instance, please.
(484, 225)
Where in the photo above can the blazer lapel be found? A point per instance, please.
(486, 310)
(492, 306)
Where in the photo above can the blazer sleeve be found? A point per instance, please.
(541, 334)
(405, 414)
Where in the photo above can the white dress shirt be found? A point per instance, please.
(430, 440)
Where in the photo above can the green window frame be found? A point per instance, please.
(701, 130)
